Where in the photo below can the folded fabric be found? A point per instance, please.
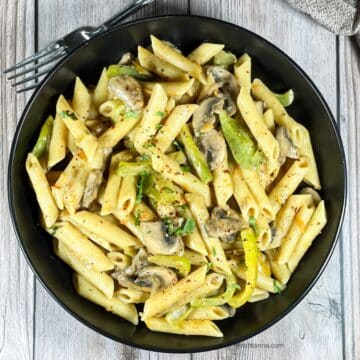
(340, 16)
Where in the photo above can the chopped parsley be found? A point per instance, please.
(213, 250)
(167, 189)
(159, 126)
(185, 168)
(131, 114)
(187, 227)
(160, 113)
(53, 230)
(144, 157)
(209, 266)
(137, 215)
(67, 113)
(148, 145)
(253, 225)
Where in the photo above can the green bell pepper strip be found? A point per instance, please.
(240, 143)
(251, 262)
(287, 98)
(176, 316)
(224, 59)
(116, 70)
(160, 190)
(231, 286)
(44, 137)
(128, 168)
(180, 263)
(195, 156)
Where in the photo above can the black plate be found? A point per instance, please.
(271, 65)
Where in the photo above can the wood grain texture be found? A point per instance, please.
(349, 78)
(17, 280)
(315, 326)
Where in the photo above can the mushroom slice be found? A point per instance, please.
(92, 187)
(287, 147)
(148, 284)
(138, 262)
(126, 59)
(228, 86)
(224, 224)
(127, 89)
(214, 147)
(161, 275)
(204, 117)
(158, 241)
(315, 195)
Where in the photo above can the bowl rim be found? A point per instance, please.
(16, 227)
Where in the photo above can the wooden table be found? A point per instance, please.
(326, 323)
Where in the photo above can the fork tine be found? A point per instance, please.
(38, 55)
(37, 66)
(27, 88)
(29, 78)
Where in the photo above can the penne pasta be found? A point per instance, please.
(242, 71)
(57, 146)
(42, 190)
(205, 52)
(81, 100)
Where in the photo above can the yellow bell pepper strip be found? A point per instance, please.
(116, 70)
(176, 316)
(251, 261)
(287, 98)
(231, 286)
(180, 263)
(242, 147)
(195, 156)
(128, 168)
(224, 59)
(44, 137)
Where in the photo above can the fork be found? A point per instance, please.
(59, 48)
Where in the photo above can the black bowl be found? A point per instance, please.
(271, 65)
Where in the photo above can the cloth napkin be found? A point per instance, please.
(339, 16)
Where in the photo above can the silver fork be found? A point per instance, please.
(59, 48)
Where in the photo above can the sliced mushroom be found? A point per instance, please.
(158, 241)
(148, 284)
(224, 224)
(287, 147)
(204, 117)
(127, 89)
(228, 87)
(138, 262)
(92, 187)
(315, 195)
(213, 146)
(167, 277)
(126, 59)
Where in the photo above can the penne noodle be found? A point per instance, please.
(243, 196)
(151, 119)
(98, 227)
(187, 327)
(313, 229)
(172, 125)
(85, 289)
(173, 89)
(127, 195)
(222, 182)
(42, 190)
(215, 250)
(254, 120)
(131, 296)
(194, 240)
(242, 71)
(100, 280)
(57, 146)
(159, 67)
(205, 52)
(170, 55)
(288, 183)
(101, 91)
(159, 302)
(81, 100)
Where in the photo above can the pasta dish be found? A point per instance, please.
(178, 188)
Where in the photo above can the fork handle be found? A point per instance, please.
(133, 6)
